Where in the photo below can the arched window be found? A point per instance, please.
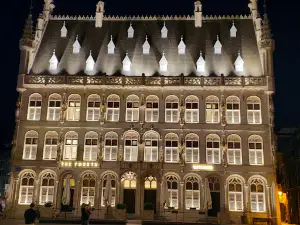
(71, 144)
(254, 110)
(213, 155)
(257, 195)
(131, 146)
(47, 188)
(129, 180)
(30, 145)
(93, 108)
(26, 189)
(234, 151)
(88, 189)
(73, 112)
(109, 190)
(172, 183)
(34, 107)
(235, 194)
(152, 109)
(132, 108)
(233, 110)
(113, 108)
(150, 182)
(54, 104)
(91, 146)
(172, 109)
(256, 154)
(192, 148)
(192, 109)
(50, 145)
(171, 148)
(111, 146)
(151, 147)
(212, 109)
(192, 192)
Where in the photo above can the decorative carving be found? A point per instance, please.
(103, 109)
(161, 154)
(181, 149)
(63, 109)
(120, 153)
(223, 111)
(224, 149)
(60, 146)
(182, 110)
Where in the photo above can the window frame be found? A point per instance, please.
(193, 138)
(152, 137)
(113, 188)
(235, 194)
(173, 192)
(93, 113)
(152, 99)
(72, 136)
(115, 111)
(135, 111)
(29, 187)
(34, 109)
(111, 136)
(192, 179)
(213, 101)
(174, 112)
(88, 189)
(254, 100)
(214, 137)
(232, 101)
(257, 195)
(131, 136)
(234, 139)
(73, 112)
(92, 148)
(49, 188)
(52, 147)
(191, 99)
(256, 140)
(172, 137)
(55, 98)
(32, 146)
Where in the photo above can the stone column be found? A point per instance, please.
(16, 192)
(181, 196)
(246, 200)
(122, 113)
(83, 108)
(76, 201)
(36, 191)
(138, 196)
(55, 193)
(243, 110)
(98, 199)
(202, 119)
(44, 108)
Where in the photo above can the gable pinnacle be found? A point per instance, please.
(28, 34)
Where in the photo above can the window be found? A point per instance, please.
(113, 108)
(172, 183)
(93, 108)
(88, 189)
(192, 109)
(108, 190)
(253, 110)
(233, 110)
(47, 188)
(150, 183)
(129, 180)
(131, 146)
(54, 104)
(71, 144)
(192, 148)
(73, 112)
(171, 148)
(212, 109)
(151, 147)
(26, 189)
(172, 109)
(152, 108)
(30, 145)
(111, 147)
(235, 194)
(257, 195)
(50, 145)
(192, 192)
(234, 151)
(34, 107)
(132, 108)
(256, 155)
(90, 147)
(213, 149)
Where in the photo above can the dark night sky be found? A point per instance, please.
(285, 24)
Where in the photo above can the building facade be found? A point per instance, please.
(147, 109)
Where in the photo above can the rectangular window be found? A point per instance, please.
(234, 153)
(192, 152)
(172, 112)
(30, 148)
(192, 199)
(212, 113)
(131, 150)
(213, 152)
(112, 113)
(191, 113)
(93, 111)
(152, 112)
(151, 151)
(257, 202)
(50, 148)
(132, 112)
(235, 201)
(171, 151)
(73, 113)
(54, 110)
(26, 195)
(90, 149)
(47, 194)
(233, 113)
(111, 150)
(88, 195)
(34, 109)
(253, 113)
(70, 149)
(256, 153)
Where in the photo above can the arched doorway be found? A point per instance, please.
(129, 191)
(150, 187)
(214, 186)
(68, 189)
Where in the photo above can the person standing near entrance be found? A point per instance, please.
(30, 215)
(85, 214)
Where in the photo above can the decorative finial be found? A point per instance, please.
(164, 23)
(217, 37)
(233, 22)
(181, 37)
(163, 53)
(111, 37)
(77, 37)
(90, 52)
(146, 37)
(126, 52)
(239, 52)
(200, 53)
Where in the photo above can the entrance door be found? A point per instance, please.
(215, 198)
(150, 197)
(129, 200)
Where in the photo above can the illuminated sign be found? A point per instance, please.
(79, 164)
(203, 167)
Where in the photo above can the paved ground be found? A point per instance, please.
(20, 222)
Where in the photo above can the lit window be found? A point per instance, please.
(91, 147)
(151, 147)
(132, 108)
(192, 148)
(192, 192)
(192, 109)
(212, 109)
(235, 194)
(93, 108)
(171, 148)
(108, 194)
(50, 145)
(113, 108)
(54, 104)
(213, 155)
(131, 146)
(256, 155)
(172, 183)
(172, 109)
(150, 182)
(254, 110)
(111, 147)
(152, 108)
(234, 151)
(47, 188)
(129, 180)
(73, 112)
(257, 195)
(71, 144)
(34, 107)
(88, 189)
(26, 189)
(30, 145)
(233, 110)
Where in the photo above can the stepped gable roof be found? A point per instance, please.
(196, 40)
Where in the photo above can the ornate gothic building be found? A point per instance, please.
(144, 109)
